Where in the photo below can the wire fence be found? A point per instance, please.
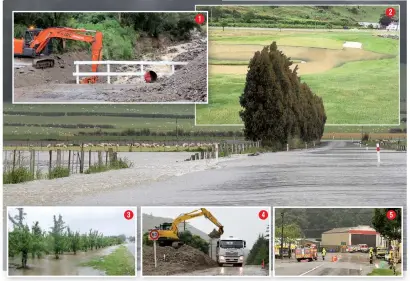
(46, 161)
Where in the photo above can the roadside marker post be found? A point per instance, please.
(154, 236)
(378, 152)
(287, 147)
(216, 152)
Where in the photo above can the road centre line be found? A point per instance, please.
(311, 270)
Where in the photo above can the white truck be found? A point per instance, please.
(230, 250)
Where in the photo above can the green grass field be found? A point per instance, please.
(119, 263)
(357, 86)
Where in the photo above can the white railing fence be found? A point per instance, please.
(108, 73)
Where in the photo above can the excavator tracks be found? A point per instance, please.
(43, 63)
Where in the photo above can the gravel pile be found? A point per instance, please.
(176, 261)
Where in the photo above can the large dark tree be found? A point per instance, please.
(276, 106)
(389, 229)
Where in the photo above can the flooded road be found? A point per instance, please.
(67, 264)
(247, 270)
(348, 264)
(338, 174)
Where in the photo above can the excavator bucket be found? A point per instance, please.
(214, 234)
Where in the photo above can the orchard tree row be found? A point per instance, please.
(277, 106)
(60, 239)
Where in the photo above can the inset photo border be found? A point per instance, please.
(110, 57)
(205, 241)
(338, 241)
(326, 49)
(53, 241)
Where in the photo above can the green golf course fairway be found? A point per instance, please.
(358, 86)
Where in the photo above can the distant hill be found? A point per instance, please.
(294, 16)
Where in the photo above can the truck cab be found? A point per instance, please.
(230, 250)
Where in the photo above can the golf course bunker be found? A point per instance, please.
(315, 60)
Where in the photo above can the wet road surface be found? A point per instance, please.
(339, 174)
(354, 264)
(247, 270)
(67, 264)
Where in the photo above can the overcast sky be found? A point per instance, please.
(240, 222)
(107, 220)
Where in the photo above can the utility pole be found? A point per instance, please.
(281, 240)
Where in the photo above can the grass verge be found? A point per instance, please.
(19, 175)
(383, 272)
(119, 263)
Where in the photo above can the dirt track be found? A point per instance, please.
(177, 261)
(187, 85)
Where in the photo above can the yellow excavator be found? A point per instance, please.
(168, 232)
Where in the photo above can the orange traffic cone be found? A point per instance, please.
(263, 264)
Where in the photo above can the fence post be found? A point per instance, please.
(142, 68)
(216, 151)
(77, 71)
(89, 158)
(69, 160)
(82, 160)
(50, 164)
(202, 155)
(108, 71)
(58, 157)
(100, 162)
(32, 161)
(196, 156)
(172, 68)
(192, 157)
(110, 154)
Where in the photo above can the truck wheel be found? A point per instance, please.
(298, 260)
(220, 264)
(310, 260)
(238, 264)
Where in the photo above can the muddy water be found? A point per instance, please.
(67, 264)
(316, 59)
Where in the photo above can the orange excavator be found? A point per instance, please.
(36, 44)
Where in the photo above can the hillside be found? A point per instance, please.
(313, 222)
(294, 16)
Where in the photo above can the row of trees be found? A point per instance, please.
(277, 106)
(60, 239)
(259, 252)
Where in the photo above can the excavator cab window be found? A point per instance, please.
(30, 34)
(165, 226)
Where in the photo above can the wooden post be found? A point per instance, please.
(69, 159)
(202, 154)
(196, 156)
(32, 161)
(14, 161)
(50, 163)
(110, 154)
(192, 157)
(58, 157)
(89, 159)
(106, 158)
(82, 161)
(100, 162)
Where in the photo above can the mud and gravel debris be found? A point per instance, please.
(62, 73)
(176, 261)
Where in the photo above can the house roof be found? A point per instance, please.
(361, 229)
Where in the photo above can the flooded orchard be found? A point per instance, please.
(67, 264)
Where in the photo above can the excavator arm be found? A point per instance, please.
(197, 213)
(42, 39)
